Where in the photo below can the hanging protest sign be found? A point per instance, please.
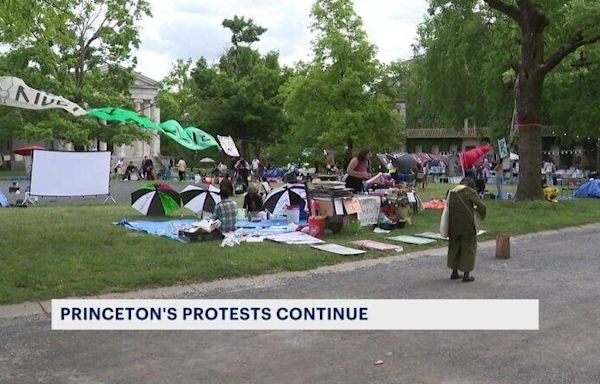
(228, 146)
(15, 93)
(503, 149)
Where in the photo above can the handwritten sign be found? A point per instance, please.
(369, 213)
(352, 206)
(228, 146)
(503, 148)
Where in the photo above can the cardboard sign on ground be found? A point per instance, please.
(377, 246)
(411, 240)
(338, 249)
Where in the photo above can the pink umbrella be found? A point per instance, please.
(469, 158)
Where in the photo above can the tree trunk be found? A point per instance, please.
(529, 106)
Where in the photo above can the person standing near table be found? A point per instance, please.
(181, 166)
(243, 169)
(358, 170)
(463, 203)
(499, 178)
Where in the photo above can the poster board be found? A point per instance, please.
(369, 213)
(503, 149)
(228, 146)
(69, 174)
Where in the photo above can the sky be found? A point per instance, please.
(192, 28)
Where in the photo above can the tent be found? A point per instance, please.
(589, 189)
(207, 160)
(3, 200)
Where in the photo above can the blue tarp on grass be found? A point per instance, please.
(589, 189)
(167, 229)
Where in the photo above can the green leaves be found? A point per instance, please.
(337, 101)
(78, 49)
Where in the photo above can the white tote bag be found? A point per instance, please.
(445, 219)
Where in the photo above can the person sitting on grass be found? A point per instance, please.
(226, 212)
(252, 202)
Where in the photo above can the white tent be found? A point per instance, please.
(207, 160)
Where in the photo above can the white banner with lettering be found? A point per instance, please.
(15, 93)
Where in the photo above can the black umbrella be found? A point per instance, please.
(198, 199)
(279, 198)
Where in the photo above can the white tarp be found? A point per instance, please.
(57, 173)
(15, 93)
(228, 146)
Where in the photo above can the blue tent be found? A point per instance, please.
(3, 200)
(589, 189)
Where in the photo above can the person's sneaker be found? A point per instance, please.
(468, 279)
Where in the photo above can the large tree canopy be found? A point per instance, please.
(488, 58)
(238, 96)
(79, 49)
(338, 100)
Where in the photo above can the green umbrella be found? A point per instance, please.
(191, 137)
(122, 116)
(156, 199)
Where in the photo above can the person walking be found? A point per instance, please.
(181, 166)
(463, 205)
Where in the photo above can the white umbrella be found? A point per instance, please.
(207, 160)
(198, 199)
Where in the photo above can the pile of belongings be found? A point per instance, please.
(589, 189)
(330, 189)
(551, 193)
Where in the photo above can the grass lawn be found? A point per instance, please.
(59, 251)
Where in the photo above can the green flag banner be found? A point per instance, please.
(191, 137)
(119, 115)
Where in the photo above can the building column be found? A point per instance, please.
(155, 141)
(102, 146)
(137, 144)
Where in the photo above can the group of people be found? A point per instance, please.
(226, 210)
(144, 172)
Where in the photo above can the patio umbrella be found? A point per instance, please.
(156, 199)
(198, 199)
(207, 160)
(404, 162)
(279, 198)
(28, 150)
(119, 115)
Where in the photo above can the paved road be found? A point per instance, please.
(563, 271)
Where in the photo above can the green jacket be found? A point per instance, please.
(461, 215)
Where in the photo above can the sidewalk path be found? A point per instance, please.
(561, 268)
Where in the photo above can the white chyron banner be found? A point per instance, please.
(228, 145)
(55, 173)
(291, 314)
(15, 93)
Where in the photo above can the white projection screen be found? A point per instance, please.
(56, 173)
